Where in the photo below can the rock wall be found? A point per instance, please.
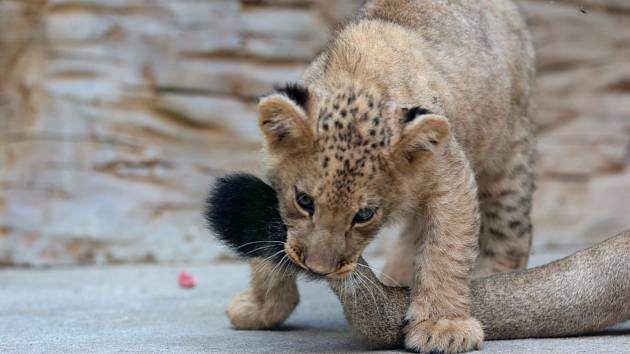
(115, 116)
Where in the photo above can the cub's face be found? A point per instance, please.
(339, 161)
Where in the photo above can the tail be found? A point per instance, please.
(242, 212)
(584, 292)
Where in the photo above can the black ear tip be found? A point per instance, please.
(296, 92)
(414, 112)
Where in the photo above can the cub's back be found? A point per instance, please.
(470, 60)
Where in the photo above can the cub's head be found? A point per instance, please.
(342, 162)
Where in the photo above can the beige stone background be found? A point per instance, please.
(116, 115)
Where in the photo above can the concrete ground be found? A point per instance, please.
(141, 309)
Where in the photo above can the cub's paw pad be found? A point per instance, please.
(446, 336)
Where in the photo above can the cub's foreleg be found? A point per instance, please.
(269, 301)
(438, 318)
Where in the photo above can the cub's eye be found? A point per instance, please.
(363, 215)
(304, 201)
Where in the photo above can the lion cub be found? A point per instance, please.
(419, 112)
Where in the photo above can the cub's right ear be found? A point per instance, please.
(421, 133)
(283, 119)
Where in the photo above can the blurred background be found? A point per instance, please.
(116, 116)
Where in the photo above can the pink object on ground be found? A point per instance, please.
(186, 280)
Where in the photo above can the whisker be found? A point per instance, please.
(271, 282)
(273, 255)
(367, 289)
(263, 263)
(374, 284)
(253, 242)
(382, 273)
(285, 266)
(390, 279)
(354, 293)
(261, 248)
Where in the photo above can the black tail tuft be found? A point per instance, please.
(242, 212)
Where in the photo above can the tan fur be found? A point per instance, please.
(268, 303)
(585, 292)
(463, 167)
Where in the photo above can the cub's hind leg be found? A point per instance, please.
(269, 301)
(505, 202)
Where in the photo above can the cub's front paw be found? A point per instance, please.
(248, 311)
(444, 335)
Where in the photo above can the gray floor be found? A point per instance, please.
(140, 309)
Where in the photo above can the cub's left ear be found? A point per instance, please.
(283, 119)
(422, 132)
